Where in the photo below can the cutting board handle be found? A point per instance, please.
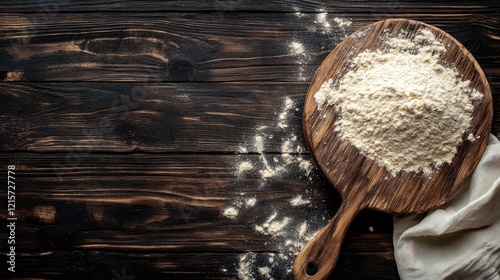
(319, 256)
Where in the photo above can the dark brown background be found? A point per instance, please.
(124, 121)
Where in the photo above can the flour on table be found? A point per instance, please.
(285, 234)
(231, 213)
(322, 19)
(297, 47)
(283, 116)
(302, 58)
(400, 107)
(250, 202)
(326, 25)
(302, 230)
(297, 12)
(245, 266)
(298, 200)
(245, 166)
(305, 165)
(274, 167)
(242, 150)
(265, 271)
(273, 226)
(342, 22)
(290, 237)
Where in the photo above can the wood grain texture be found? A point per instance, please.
(99, 213)
(104, 190)
(226, 6)
(363, 183)
(197, 47)
(125, 119)
(98, 264)
(159, 118)
(111, 117)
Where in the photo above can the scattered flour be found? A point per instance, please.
(265, 271)
(273, 227)
(298, 51)
(231, 213)
(322, 19)
(334, 30)
(245, 166)
(250, 202)
(242, 150)
(298, 201)
(303, 230)
(268, 171)
(473, 138)
(297, 12)
(288, 235)
(245, 266)
(290, 147)
(401, 107)
(326, 25)
(13, 76)
(342, 22)
(297, 47)
(283, 116)
(306, 166)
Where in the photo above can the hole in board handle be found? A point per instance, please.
(311, 268)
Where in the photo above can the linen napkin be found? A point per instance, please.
(461, 239)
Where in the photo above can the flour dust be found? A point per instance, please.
(286, 231)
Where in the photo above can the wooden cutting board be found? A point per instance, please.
(361, 182)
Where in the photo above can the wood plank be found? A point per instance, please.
(88, 118)
(198, 47)
(84, 118)
(166, 192)
(91, 264)
(221, 6)
(164, 212)
(122, 200)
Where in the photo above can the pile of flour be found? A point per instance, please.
(400, 107)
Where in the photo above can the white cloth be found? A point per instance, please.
(461, 239)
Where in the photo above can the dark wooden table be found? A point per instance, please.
(127, 123)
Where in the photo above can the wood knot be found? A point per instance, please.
(45, 213)
(180, 70)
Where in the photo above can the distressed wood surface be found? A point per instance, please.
(157, 265)
(126, 122)
(199, 47)
(225, 6)
(151, 117)
(94, 214)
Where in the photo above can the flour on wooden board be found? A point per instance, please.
(401, 107)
